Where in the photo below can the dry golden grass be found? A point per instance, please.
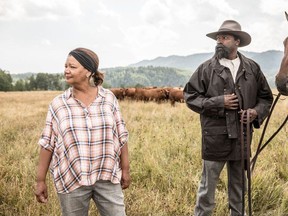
(165, 160)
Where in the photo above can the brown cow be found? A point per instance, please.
(154, 94)
(130, 93)
(176, 95)
(118, 92)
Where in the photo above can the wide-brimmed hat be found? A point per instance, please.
(234, 28)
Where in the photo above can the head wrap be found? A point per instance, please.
(85, 60)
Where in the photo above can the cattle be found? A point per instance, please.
(130, 93)
(173, 94)
(153, 94)
(176, 95)
(118, 92)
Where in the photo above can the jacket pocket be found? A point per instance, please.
(216, 142)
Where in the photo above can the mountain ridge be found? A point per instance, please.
(269, 62)
(191, 62)
(175, 70)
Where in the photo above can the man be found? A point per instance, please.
(220, 90)
(282, 76)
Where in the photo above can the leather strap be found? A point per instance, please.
(245, 162)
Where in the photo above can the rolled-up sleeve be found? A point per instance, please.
(47, 139)
(120, 124)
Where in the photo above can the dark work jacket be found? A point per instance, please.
(204, 94)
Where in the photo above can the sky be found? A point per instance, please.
(37, 35)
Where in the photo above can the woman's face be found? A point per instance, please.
(74, 72)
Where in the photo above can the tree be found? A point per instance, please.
(20, 85)
(31, 84)
(42, 81)
(5, 81)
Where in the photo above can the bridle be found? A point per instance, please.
(247, 164)
(260, 146)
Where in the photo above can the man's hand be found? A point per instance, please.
(252, 115)
(231, 102)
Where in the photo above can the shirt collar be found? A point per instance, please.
(101, 91)
(231, 60)
(68, 92)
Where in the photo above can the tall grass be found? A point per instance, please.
(165, 150)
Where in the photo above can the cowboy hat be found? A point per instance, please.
(234, 28)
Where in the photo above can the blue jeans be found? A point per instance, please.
(107, 196)
(206, 192)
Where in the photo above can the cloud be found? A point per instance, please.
(102, 9)
(274, 7)
(46, 42)
(35, 9)
(156, 13)
(124, 32)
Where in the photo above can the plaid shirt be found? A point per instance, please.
(86, 141)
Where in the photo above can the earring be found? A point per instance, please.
(91, 82)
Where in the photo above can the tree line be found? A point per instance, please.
(39, 81)
(114, 77)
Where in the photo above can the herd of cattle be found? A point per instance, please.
(172, 94)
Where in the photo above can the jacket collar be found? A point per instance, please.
(218, 68)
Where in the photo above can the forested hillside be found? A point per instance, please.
(145, 76)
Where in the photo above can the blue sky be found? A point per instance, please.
(37, 35)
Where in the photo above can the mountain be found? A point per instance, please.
(269, 62)
(189, 62)
(174, 70)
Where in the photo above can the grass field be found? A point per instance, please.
(164, 147)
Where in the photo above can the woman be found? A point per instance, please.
(85, 139)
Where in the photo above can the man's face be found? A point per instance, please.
(226, 44)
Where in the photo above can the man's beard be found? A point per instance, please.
(221, 51)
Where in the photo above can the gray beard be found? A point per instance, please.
(221, 51)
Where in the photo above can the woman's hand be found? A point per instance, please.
(125, 166)
(41, 192)
(40, 186)
(125, 179)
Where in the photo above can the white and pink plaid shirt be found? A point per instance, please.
(86, 141)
